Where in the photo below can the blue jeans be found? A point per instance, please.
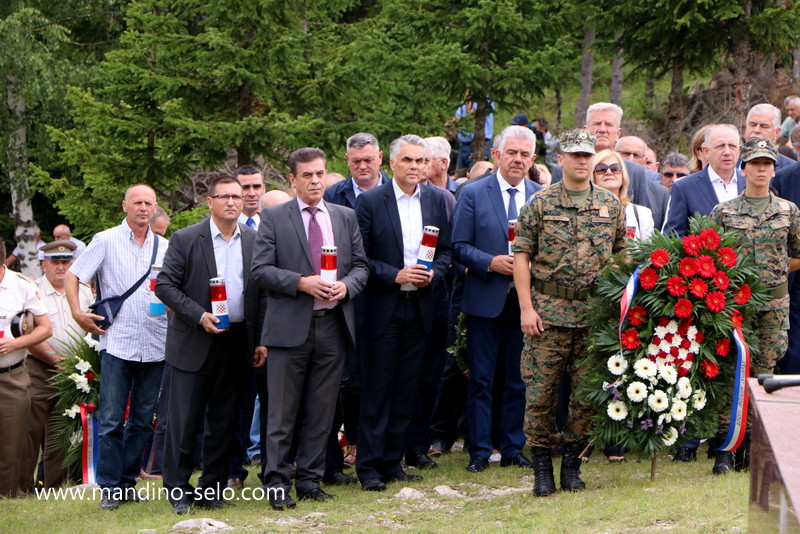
(255, 431)
(120, 444)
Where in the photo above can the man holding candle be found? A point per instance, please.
(210, 341)
(308, 323)
(398, 306)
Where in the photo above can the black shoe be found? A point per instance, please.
(741, 460)
(181, 507)
(517, 460)
(109, 503)
(314, 494)
(685, 454)
(402, 476)
(282, 503)
(571, 467)
(338, 478)
(477, 464)
(420, 460)
(543, 472)
(373, 484)
(723, 463)
(131, 495)
(214, 504)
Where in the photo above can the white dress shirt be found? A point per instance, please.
(519, 197)
(256, 219)
(724, 191)
(410, 210)
(230, 266)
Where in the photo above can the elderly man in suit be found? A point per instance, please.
(698, 193)
(494, 337)
(308, 324)
(208, 358)
(398, 307)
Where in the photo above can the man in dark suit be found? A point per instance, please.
(494, 337)
(308, 324)
(698, 193)
(209, 363)
(364, 158)
(764, 122)
(398, 306)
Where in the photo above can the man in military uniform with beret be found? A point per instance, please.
(565, 235)
(769, 233)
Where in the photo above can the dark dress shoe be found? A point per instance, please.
(181, 507)
(109, 503)
(339, 479)
(314, 494)
(477, 464)
(373, 484)
(420, 460)
(214, 504)
(517, 460)
(685, 454)
(402, 476)
(723, 463)
(281, 503)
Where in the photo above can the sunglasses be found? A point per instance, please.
(674, 174)
(602, 168)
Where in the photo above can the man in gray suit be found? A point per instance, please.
(308, 323)
(209, 363)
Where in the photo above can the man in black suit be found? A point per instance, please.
(364, 158)
(208, 362)
(398, 307)
(308, 324)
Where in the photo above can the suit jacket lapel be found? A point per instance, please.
(299, 227)
(496, 198)
(426, 205)
(705, 187)
(740, 180)
(394, 215)
(207, 246)
(247, 252)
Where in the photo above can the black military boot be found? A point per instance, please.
(684, 454)
(723, 460)
(571, 467)
(741, 459)
(543, 471)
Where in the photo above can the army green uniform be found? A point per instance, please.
(568, 246)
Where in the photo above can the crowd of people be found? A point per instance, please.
(293, 317)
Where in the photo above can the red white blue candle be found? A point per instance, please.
(427, 247)
(512, 234)
(327, 270)
(156, 306)
(219, 302)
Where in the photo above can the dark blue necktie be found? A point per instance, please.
(251, 223)
(512, 204)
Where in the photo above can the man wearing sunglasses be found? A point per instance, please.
(674, 167)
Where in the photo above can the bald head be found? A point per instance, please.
(479, 169)
(62, 232)
(632, 148)
(332, 178)
(273, 198)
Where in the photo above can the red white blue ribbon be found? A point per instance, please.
(89, 447)
(738, 424)
(631, 288)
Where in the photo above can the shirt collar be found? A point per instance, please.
(215, 231)
(129, 231)
(321, 205)
(47, 287)
(714, 177)
(398, 193)
(505, 186)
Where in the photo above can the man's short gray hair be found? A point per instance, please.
(408, 139)
(515, 132)
(362, 139)
(604, 106)
(158, 213)
(674, 160)
(716, 127)
(440, 147)
(791, 99)
(766, 108)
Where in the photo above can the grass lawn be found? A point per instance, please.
(619, 498)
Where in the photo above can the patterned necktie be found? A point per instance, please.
(251, 223)
(314, 239)
(512, 204)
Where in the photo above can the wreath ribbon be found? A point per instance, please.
(631, 288)
(89, 446)
(738, 423)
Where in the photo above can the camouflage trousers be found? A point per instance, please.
(544, 360)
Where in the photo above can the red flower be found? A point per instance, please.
(663, 321)
(737, 319)
(669, 337)
(721, 280)
(698, 287)
(685, 344)
(723, 346)
(705, 266)
(659, 258)
(637, 315)
(675, 286)
(683, 308)
(742, 296)
(648, 278)
(727, 256)
(90, 376)
(715, 301)
(709, 368)
(691, 245)
(673, 351)
(630, 339)
(683, 328)
(682, 371)
(699, 337)
(687, 267)
(710, 239)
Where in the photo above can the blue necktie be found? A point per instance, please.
(512, 204)
(251, 223)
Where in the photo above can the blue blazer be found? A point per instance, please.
(480, 232)
(691, 195)
(342, 192)
(786, 184)
(382, 234)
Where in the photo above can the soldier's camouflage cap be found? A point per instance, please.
(759, 148)
(580, 140)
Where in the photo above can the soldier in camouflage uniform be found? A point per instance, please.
(769, 233)
(564, 236)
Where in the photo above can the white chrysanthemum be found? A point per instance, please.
(678, 410)
(683, 353)
(83, 366)
(617, 364)
(617, 410)
(687, 365)
(670, 436)
(694, 348)
(73, 412)
(668, 374)
(672, 326)
(644, 368)
(676, 340)
(637, 392)
(662, 361)
(684, 387)
(691, 333)
(652, 349)
(699, 399)
(658, 401)
(660, 331)
(664, 345)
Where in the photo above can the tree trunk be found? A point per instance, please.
(742, 58)
(615, 88)
(796, 65)
(587, 69)
(25, 229)
(559, 105)
(479, 138)
(676, 110)
(650, 91)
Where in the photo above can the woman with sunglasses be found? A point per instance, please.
(609, 173)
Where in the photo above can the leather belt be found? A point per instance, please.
(555, 290)
(410, 294)
(11, 367)
(322, 313)
(779, 291)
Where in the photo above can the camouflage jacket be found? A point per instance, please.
(569, 245)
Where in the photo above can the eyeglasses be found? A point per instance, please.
(235, 198)
(626, 154)
(674, 174)
(602, 168)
